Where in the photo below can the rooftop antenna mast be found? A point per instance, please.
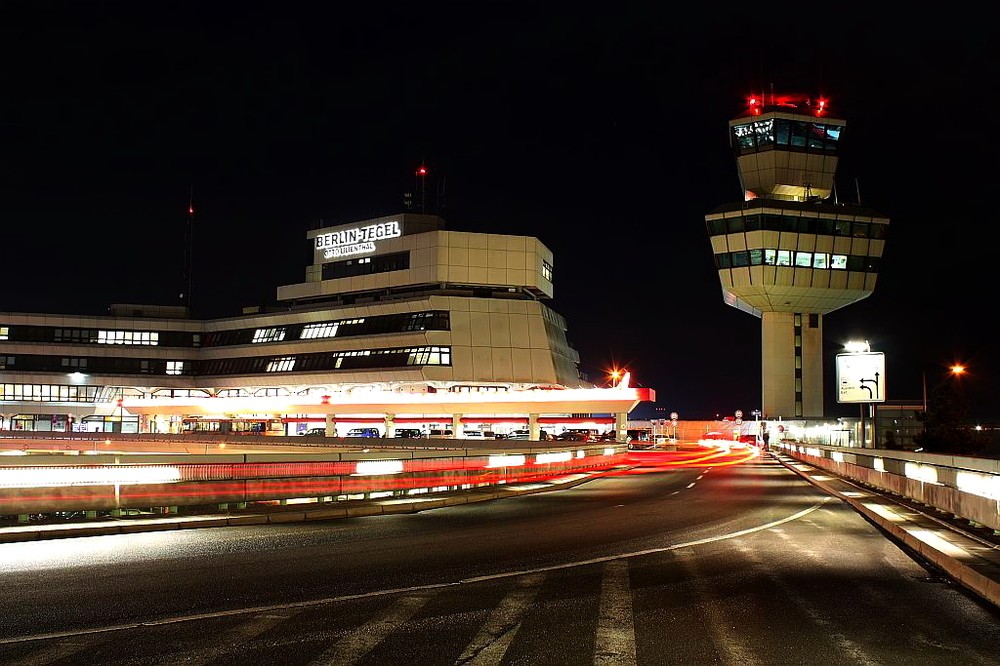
(422, 187)
(188, 252)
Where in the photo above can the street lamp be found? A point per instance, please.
(955, 370)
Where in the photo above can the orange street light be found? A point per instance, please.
(957, 370)
(616, 376)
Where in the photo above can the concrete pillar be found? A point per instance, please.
(621, 427)
(534, 431)
(456, 426)
(390, 425)
(331, 425)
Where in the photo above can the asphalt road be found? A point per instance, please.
(744, 564)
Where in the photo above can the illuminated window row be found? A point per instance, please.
(432, 320)
(284, 364)
(821, 226)
(796, 259)
(128, 338)
(327, 329)
(362, 359)
(268, 335)
(546, 270)
(48, 392)
(786, 134)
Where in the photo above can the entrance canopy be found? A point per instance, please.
(541, 401)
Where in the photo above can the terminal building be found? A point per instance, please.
(399, 324)
(790, 252)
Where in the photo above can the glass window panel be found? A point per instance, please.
(781, 132)
(799, 131)
(784, 257)
(803, 259)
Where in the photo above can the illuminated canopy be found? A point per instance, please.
(557, 401)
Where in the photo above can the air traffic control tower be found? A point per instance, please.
(789, 252)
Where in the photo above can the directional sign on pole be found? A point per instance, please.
(861, 377)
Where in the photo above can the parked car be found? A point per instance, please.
(409, 433)
(312, 432)
(364, 432)
(437, 433)
(572, 436)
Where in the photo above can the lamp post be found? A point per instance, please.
(955, 370)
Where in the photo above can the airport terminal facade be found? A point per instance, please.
(399, 322)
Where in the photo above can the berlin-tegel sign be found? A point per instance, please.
(861, 377)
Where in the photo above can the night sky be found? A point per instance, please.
(603, 134)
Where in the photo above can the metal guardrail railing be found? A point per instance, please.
(49, 482)
(966, 487)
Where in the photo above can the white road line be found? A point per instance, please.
(434, 586)
(257, 625)
(491, 643)
(363, 639)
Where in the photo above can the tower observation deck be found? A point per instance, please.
(790, 253)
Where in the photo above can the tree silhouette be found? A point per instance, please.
(945, 427)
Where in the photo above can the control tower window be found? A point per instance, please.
(832, 137)
(803, 259)
(799, 130)
(764, 134)
(784, 258)
(744, 137)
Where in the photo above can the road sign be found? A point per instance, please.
(861, 377)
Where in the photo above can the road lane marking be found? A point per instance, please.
(615, 640)
(491, 643)
(416, 588)
(361, 640)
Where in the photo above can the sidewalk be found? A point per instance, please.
(968, 555)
